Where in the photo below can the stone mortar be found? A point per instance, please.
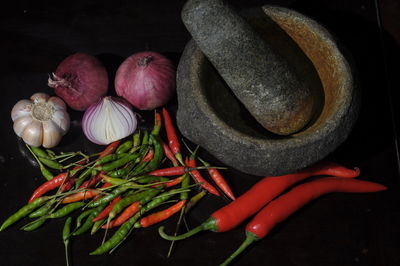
(210, 115)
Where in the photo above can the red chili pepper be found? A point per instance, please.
(174, 182)
(107, 210)
(48, 185)
(161, 215)
(71, 181)
(83, 195)
(110, 148)
(282, 207)
(191, 162)
(172, 136)
(169, 154)
(93, 181)
(257, 197)
(171, 171)
(87, 194)
(149, 156)
(68, 184)
(219, 180)
(125, 215)
(171, 183)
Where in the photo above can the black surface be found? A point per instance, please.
(338, 229)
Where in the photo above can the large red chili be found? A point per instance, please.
(281, 208)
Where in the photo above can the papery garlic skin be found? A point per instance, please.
(109, 120)
(40, 121)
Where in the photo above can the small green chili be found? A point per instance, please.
(65, 236)
(24, 211)
(124, 147)
(67, 209)
(51, 163)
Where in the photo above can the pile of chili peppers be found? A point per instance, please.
(126, 185)
(131, 184)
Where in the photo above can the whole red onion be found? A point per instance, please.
(80, 80)
(146, 80)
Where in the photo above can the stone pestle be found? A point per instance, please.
(261, 79)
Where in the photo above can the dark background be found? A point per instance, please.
(337, 229)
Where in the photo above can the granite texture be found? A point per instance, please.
(270, 89)
(209, 113)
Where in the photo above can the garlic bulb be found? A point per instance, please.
(42, 120)
(108, 120)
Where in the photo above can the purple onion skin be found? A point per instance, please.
(84, 81)
(146, 80)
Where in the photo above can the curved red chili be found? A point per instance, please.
(219, 180)
(110, 148)
(124, 216)
(169, 154)
(257, 196)
(161, 215)
(173, 141)
(48, 185)
(191, 162)
(282, 207)
(149, 156)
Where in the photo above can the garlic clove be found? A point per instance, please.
(21, 123)
(33, 133)
(40, 97)
(62, 120)
(21, 108)
(51, 134)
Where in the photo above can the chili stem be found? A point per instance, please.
(250, 238)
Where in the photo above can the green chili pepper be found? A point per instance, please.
(42, 210)
(82, 216)
(114, 180)
(122, 171)
(51, 163)
(110, 158)
(45, 172)
(136, 139)
(109, 197)
(124, 147)
(67, 209)
(65, 236)
(184, 184)
(97, 225)
(34, 225)
(158, 155)
(120, 162)
(145, 138)
(24, 211)
(39, 152)
(89, 220)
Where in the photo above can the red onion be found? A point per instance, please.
(146, 80)
(80, 80)
(108, 120)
